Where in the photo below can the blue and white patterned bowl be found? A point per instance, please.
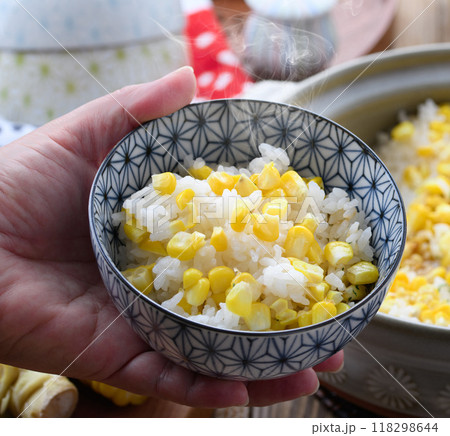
(230, 131)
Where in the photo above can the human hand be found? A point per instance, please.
(55, 315)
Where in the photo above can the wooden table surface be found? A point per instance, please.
(363, 26)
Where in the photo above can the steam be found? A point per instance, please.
(280, 50)
(268, 49)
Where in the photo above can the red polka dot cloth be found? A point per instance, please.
(218, 70)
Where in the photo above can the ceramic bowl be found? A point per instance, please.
(395, 368)
(230, 131)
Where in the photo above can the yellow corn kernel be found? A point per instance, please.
(440, 126)
(254, 177)
(294, 186)
(135, 233)
(417, 216)
(401, 279)
(315, 253)
(244, 186)
(313, 273)
(310, 222)
(193, 217)
(434, 136)
(141, 278)
(219, 239)
(176, 226)
(286, 317)
(274, 193)
(304, 318)
(219, 181)
(184, 197)
(426, 315)
(240, 216)
(442, 214)
(259, 317)
(156, 247)
(424, 169)
(201, 173)
(276, 325)
(362, 273)
(445, 261)
(447, 277)
(439, 271)
(442, 318)
(443, 243)
(443, 168)
(220, 278)
(219, 298)
(433, 201)
(278, 206)
(190, 277)
(184, 245)
(118, 396)
(239, 299)
(164, 183)
(412, 176)
(322, 311)
(185, 305)
(318, 181)
(269, 178)
(436, 186)
(298, 242)
(338, 252)
(319, 291)
(444, 109)
(425, 151)
(354, 293)
(341, 308)
(246, 277)
(269, 229)
(403, 131)
(279, 305)
(335, 297)
(197, 294)
(417, 282)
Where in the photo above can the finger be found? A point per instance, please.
(267, 392)
(100, 124)
(334, 364)
(153, 375)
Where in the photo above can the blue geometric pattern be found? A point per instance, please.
(229, 131)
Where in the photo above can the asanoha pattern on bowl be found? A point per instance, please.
(229, 131)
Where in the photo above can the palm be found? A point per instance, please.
(55, 315)
(49, 257)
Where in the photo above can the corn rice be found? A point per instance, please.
(257, 248)
(418, 155)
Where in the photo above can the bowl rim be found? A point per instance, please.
(179, 318)
(398, 323)
(336, 74)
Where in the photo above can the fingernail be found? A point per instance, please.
(244, 403)
(186, 67)
(338, 370)
(315, 390)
